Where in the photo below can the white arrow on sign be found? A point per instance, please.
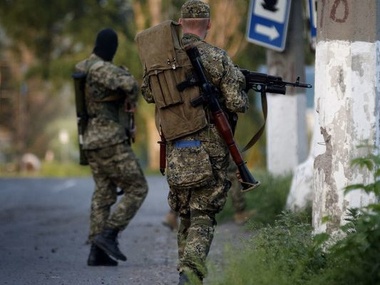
(270, 32)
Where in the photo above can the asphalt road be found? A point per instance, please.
(43, 232)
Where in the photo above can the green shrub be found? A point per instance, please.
(355, 259)
(287, 252)
(268, 200)
(282, 253)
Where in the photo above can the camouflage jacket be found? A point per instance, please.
(220, 70)
(107, 88)
(222, 73)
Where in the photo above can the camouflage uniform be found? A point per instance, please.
(198, 205)
(112, 161)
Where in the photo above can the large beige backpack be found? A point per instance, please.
(166, 64)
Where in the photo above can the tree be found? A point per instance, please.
(45, 44)
(41, 53)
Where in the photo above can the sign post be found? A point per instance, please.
(268, 23)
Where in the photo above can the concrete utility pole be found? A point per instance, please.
(347, 86)
(286, 124)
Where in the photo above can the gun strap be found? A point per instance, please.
(264, 107)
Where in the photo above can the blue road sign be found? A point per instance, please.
(312, 8)
(268, 23)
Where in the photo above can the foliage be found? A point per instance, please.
(46, 38)
(54, 169)
(51, 169)
(50, 35)
(287, 252)
(282, 253)
(268, 200)
(355, 259)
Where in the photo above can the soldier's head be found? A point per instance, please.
(195, 9)
(195, 17)
(106, 44)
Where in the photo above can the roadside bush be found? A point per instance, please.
(283, 253)
(268, 200)
(287, 252)
(355, 259)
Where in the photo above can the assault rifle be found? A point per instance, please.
(210, 97)
(265, 83)
(130, 127)
(82, 116)
(262, 82)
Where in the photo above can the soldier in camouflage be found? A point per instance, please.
(239, 203)
(112, 161)
(198, 205)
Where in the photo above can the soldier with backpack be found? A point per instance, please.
(197, 156)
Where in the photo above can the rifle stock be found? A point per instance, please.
(130, 128)
(209, 97)
(162, 144)
(82, 117)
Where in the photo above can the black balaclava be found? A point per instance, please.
(106, 44)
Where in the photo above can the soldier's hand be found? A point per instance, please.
(238, 176)
(130, 107)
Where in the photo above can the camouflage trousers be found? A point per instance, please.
(115, 167)
(198, 206)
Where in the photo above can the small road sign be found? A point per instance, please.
(312, 9)
(268, 23)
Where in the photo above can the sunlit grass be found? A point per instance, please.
(268, 200)
(285, 250)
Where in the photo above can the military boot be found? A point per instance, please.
(107, 241)
(98, 257)
(187, 278)
(242, 217)
(183, 279)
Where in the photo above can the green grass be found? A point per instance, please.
(56, 169)
(286, 251)
(282, 253)
(268, 200)
(50, 169)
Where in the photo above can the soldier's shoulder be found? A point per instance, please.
(81, 66)
(109, 67)
(211, 49)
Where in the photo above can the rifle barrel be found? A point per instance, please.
(273, 84)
